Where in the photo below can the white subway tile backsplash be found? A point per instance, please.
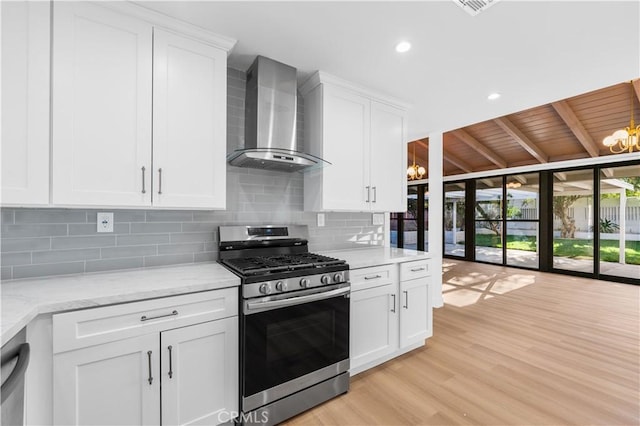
(24, 244)
(13, 259)
(33, 230)
(54, 256)
(128, 251)
(155, 228)
(83, 242)
(48, 269)
(142, 239)
(113, 264)
(182, 248)
(50, 216)
(168, 259)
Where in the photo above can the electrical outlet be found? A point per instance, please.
(320, 219)
(105, 222)
(378, 219)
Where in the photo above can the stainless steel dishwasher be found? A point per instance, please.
(14, 363)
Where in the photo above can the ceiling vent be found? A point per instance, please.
(473, 7)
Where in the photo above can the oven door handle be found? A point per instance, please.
(273, 304)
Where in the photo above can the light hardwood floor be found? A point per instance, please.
(510, 347)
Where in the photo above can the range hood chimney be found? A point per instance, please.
(270, 120)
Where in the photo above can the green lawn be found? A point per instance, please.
(568, 247)
(609, 250)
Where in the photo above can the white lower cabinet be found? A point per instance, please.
(170, 372)
(414, 312)
(108, 384)
(199, 373)
(389, 315)
(374, 324)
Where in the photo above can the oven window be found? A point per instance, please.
(286, 343)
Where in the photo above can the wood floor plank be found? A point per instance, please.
(510, 347)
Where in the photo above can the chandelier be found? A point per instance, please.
(624, 139)
(415, 172)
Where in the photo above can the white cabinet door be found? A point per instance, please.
(346, 130)
(189, 123)
(414, 311)
(374, 324)
(388, 158)
(102, 73)
(108, 384)
(200, 373)
(25, 103)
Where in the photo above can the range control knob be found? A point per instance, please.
(337, 278)
(304, 283)
(280, 286)
(265, 288)
(326, 279)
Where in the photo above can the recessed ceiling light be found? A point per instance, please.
(403, 46)
(493, 96)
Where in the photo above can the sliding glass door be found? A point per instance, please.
(573, 218)
(583, 221)
(619, 221)
(489, 220)
(454, 219)
(522, 220)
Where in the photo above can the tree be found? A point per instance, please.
(491, 216)
(561, 205)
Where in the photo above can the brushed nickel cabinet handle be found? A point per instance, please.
(375, 194)
(393, 309)
(373, 277)
(406, 296)
(160, 181)
(150, 377)
(368, 194)
(418, 269)
(170, 367)
(146, 318)
(144, 190)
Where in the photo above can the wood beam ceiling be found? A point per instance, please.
(478, 146)
(565, 112)
(517, 135)
(457, 162)
(636, 87)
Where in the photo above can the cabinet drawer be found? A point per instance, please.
(371, 277)
(88, 327)
(412, 270)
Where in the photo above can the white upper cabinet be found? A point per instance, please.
(25, 103)
(113, 71)
(388, 158)
(362, 135)
(189, 122)
(101, 106)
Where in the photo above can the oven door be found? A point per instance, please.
(292, 343)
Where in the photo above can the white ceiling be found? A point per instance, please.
(532, 52)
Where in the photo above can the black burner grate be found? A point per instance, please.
(280, 263)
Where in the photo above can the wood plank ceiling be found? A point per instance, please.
(564, 130)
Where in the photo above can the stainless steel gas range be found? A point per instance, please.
(294, 321)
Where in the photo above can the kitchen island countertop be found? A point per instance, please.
(375, 256)
(23, 300)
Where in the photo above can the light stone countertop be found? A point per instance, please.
(374, 256)
(23, 300)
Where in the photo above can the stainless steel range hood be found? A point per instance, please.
(270, 120)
